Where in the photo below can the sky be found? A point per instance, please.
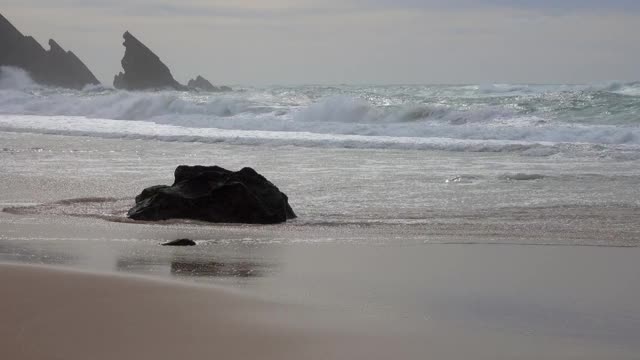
(264, 42)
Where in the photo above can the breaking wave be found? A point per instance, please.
(12, 78)
(497, 117)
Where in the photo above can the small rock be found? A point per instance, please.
(180, 242)
(523, 177)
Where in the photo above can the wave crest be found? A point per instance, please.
(380, 117)
(344, 109)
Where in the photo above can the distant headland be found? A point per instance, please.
(143, 70)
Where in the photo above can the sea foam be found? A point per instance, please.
(498, 117)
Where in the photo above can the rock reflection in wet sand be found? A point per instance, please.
(138, 258)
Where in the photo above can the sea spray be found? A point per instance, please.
(12, 78)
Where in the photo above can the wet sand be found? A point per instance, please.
(49, 313)
(60, 314)
(53, 313)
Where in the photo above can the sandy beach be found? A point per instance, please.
(319, 180)
(350, 279)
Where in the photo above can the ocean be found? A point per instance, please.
(422, 157)
(535, 120)
(499, 216)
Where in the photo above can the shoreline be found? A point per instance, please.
(362, 277)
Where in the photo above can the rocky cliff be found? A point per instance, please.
(54, 67)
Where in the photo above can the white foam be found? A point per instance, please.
(12, 78)
(107, 128)
(401, 117)
(71, 125)
(339, 116)
(629, 89)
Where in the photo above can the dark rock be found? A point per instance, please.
(74, 73)
(214, 194)
(143, 69)
(55, 67)
(203, 84)
(180, 242)
(522, 177)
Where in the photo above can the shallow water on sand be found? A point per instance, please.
(427, 196)
(415, 241)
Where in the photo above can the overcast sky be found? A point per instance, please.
(350, 41)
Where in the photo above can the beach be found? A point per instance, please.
(306, 180)
(391, 256)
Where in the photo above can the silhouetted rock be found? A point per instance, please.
(180, 242)
(55, 67)
(214, 194)
(203, 84)
(143, 69)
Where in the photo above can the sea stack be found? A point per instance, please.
(202, 84)
(53, 67)
(143, 70)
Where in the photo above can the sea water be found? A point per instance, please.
(472, 163)
(538, 120)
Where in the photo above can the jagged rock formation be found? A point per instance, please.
(55, 67)
(143, 69)
(214, 194)
(202, 84)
